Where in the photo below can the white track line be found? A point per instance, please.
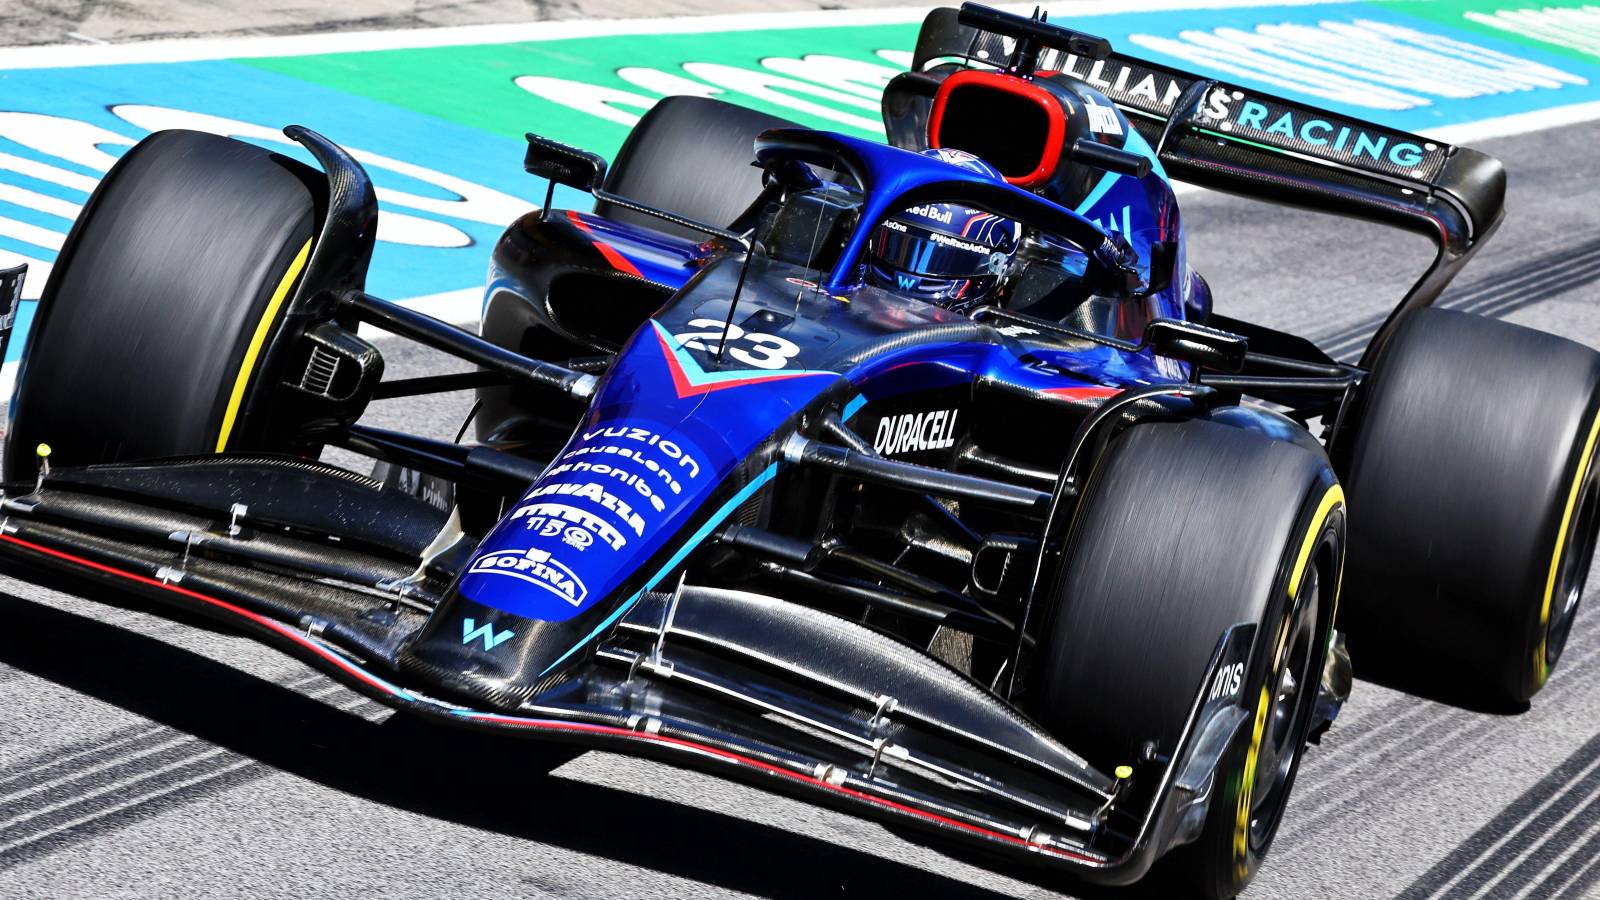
(461, 306)
(1517, 123)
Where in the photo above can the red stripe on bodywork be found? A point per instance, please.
(1082, 393)
(279, 627)
(685, 388)
(769, 768)
(617, 260)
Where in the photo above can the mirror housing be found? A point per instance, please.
(1108, 158)
(563, 164)
(1210, 348)
(1163, 260)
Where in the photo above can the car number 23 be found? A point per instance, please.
(763, 351)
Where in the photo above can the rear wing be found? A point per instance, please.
(1231, 138)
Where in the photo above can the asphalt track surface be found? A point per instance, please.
(143, 757)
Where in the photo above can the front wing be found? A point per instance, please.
(747, 686)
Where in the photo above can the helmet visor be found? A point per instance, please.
(911, 248)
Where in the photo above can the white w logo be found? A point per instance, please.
(471, 631)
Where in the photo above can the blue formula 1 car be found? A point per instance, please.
(916, 479)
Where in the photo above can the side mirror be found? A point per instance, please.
(1211, 348)
(561, 164)
(1163, 259)
(1109, 158)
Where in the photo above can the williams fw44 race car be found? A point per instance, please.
(918, 479)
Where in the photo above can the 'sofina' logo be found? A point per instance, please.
(535, 567)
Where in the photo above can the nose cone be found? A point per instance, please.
(658, 464)
(594, 517)
(487, 656)
(504, 658)
(567, 560)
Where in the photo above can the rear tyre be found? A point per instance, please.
(692, 156)
(151, 330)
(1474, 504)
(1185, 530)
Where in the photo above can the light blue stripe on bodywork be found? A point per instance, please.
(688, 547)
(1101, 187)
(1135, 143)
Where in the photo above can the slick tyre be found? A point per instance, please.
(153, 326)
(1473, 507)
(1185, 530)
(692, 156)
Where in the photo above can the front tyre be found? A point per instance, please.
(151, 333)
(1474, 507)
(1185, 530)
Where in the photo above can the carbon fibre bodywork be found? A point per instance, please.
(733, 506)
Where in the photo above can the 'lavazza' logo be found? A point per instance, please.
(535, 567)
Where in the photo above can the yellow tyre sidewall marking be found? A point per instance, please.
(257, 341)
(1241, 829)
(1332, 499)
(1541, 671)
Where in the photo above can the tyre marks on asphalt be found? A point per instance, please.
(1533, 281)
(1547, 851)
(1399, 766)
(64, 796)
(1552, 830)
(66, 762)
(1399, 746)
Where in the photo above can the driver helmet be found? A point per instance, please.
(944, 253)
